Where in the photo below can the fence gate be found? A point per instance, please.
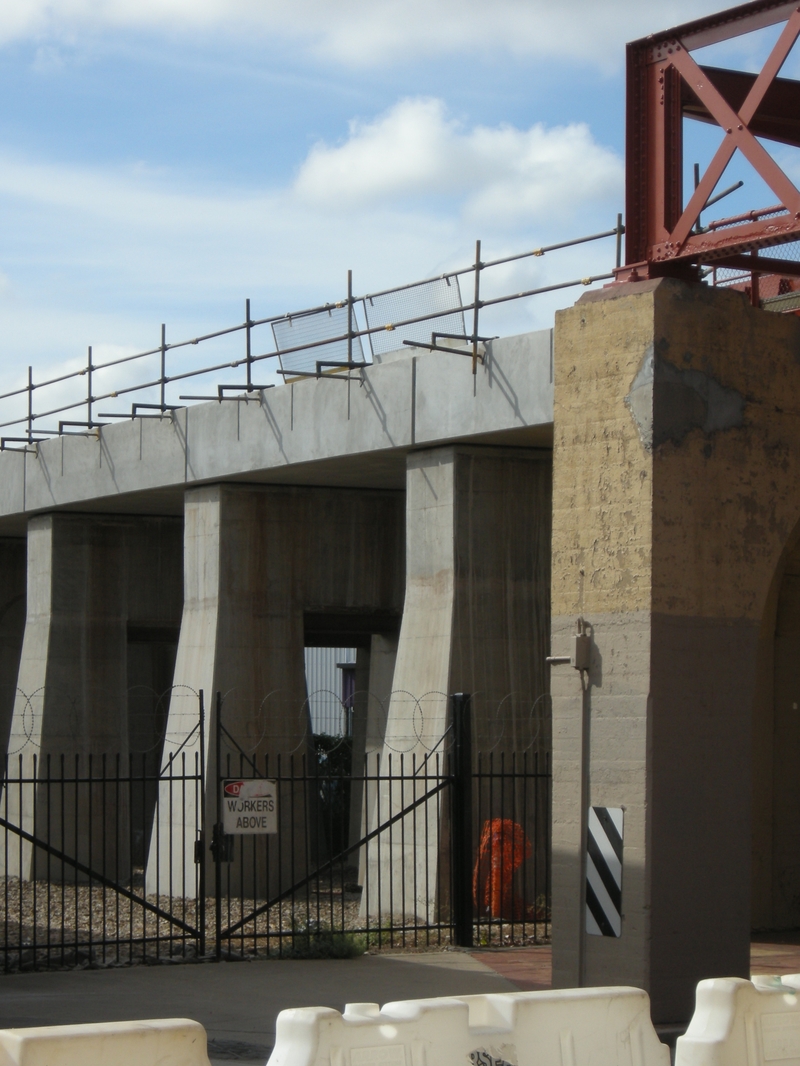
(452, 847)
(112, 860)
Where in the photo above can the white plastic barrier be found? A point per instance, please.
(162, 1042)
(743, 1023)
(574, 1027)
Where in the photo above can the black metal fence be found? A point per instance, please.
(107, 861)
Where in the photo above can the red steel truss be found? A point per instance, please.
(664, 84)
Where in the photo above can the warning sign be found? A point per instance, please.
(249, 806)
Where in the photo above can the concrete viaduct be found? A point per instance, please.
(637, 468)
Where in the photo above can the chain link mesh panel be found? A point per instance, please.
(777, 292)
(308, 329)
(442, 294)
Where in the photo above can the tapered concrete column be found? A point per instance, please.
(675, 486)
(256, 559)
(476, 620)
(88, 580)
(12, 626)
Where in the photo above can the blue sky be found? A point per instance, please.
(161, 160)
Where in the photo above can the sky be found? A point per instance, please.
(162, 160)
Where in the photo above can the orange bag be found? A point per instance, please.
(503, 848)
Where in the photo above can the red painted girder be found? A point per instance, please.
(737, 135)
(762, 265)
(722, 26)
(778, 116)
(703, 247)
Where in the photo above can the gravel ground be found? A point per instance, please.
(55, 926)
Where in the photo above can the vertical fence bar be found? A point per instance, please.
(479, 821)
(6, 786)
(476, 308)
(35, 873)
(461, 807)
(755, 295)
(349, 319)
(163, 364)
(49, 903)
(219, 840)
(63, 871)
(547, 858)
(30, 405)
(20, 857)
(248, 353)
(200, 855)
(619, 240)
(89, 397)
(414, 845)
(104, 850)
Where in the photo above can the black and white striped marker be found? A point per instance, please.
(604, 872)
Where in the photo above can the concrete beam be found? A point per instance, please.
(313, 432)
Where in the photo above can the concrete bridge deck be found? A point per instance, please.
(329, 431)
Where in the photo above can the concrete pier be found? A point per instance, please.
(475, 619)
(86, 590)
(13, 572)
(258, 560)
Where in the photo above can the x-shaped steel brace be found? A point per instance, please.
(737, 133)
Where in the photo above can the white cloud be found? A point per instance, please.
(366, 32)
(103, 255)
(503, 175)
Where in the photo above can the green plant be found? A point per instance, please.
(320, 942)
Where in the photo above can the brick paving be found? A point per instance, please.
(530, 968)
(775, 953)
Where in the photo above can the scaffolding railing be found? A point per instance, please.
(323, 341)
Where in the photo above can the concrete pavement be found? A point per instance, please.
(237, 1002)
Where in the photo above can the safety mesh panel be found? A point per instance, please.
(777, 292)
(307, 329)
(441, 295)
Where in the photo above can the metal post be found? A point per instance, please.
(755, 293)
(349, 318)
(219, 839)
(619, 240)
(163, 364)
(201, 843)
(462, 820)
(30, 404)
(478, 265)
(89, 388)
(249, 359)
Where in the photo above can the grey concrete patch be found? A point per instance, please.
(686, 399)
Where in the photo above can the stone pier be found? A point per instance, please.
(675, 509)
